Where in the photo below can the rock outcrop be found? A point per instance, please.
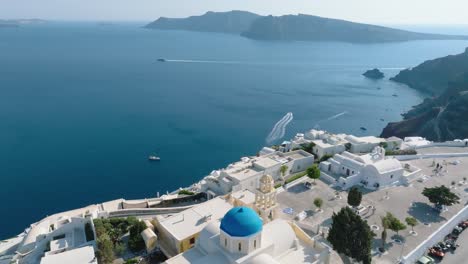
(374, 74)
(440, 118)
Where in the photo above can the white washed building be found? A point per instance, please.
(372, 171)
(363, 144)
(329, 145)
(246, 173)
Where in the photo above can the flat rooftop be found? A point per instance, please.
(75, 256)
(296, 155)
(267, 162)
(243, 173)
(245, 196)
(193, 220)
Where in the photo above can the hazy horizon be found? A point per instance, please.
(399, 12)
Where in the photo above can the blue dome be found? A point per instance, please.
(241, 222)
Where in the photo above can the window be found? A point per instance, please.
(192, 241)
(240, 247)
(255, 244)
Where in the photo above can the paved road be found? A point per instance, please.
(461, 254)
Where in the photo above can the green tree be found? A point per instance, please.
(441, 196)
(411, 221)
(135, 241)
(354, 197)
(383, 145)
(397, 226)
(308, 147)
(318, 202)
(351, 236)
(393, 223)
(105, 251)
(384, 239)
(283, 170)
(313, 172)
(385, 225)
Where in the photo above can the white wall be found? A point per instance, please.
(445, 144)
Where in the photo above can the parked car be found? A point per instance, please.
(458, 229)
(308, 185)
(450, 243)
(442, 246)
(451, 237)
(426, 260)
(463, 224)
(436, 252)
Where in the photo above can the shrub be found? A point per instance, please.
(401, 152)
(186, 192)
(318, 202)
(295, 177)
(325, 157)
(135, 241)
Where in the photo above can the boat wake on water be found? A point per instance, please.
(279, 129)
(204, 61)
(337, 115)
(333, 117)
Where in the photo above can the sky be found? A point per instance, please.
(433, 12)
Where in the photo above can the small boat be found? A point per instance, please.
(154, 158)
(363, 128)
(161, 60)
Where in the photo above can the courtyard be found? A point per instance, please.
(401, 201)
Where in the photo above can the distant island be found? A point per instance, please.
(292, 27)
(374, 74)
(18, 22)
(234, 22)
(444, 115)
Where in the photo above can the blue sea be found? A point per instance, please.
(82, 105)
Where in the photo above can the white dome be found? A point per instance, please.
(205, 241)
(280, 234)
(387, 165)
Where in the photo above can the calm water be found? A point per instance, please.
(82, 106)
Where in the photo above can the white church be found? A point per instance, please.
(243, 236)
(372, 171)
